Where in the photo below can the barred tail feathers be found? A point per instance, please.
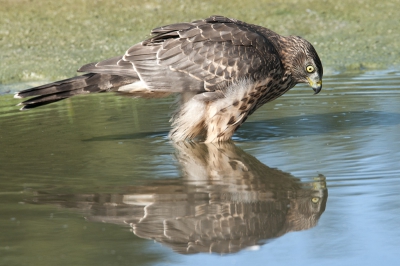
(59, 90)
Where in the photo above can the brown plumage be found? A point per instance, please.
(223, 69)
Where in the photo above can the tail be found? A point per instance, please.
(60, 90)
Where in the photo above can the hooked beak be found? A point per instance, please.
(316, 84)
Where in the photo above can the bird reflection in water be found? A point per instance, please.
(225, 201)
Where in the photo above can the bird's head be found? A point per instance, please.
(304, 63)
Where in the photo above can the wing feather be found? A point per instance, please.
(201, 55)
(113, 66)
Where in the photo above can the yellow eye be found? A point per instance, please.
(310, 69)
(315, 200)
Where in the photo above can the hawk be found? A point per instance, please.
(223, 69)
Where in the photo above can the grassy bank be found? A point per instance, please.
(48, 40)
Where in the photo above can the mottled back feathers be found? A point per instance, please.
(200, 56)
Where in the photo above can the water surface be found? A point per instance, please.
(308, 179)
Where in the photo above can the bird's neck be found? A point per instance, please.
(287, 52)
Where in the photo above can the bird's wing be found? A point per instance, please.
(202, 55)
(113, 66)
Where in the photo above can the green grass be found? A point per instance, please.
(48, 40)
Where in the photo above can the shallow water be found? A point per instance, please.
(309, 179)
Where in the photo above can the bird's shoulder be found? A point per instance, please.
(207, 54)
(217, 29)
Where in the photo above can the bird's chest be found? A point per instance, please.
(274, 87)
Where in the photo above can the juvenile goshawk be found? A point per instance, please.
(222, 68)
